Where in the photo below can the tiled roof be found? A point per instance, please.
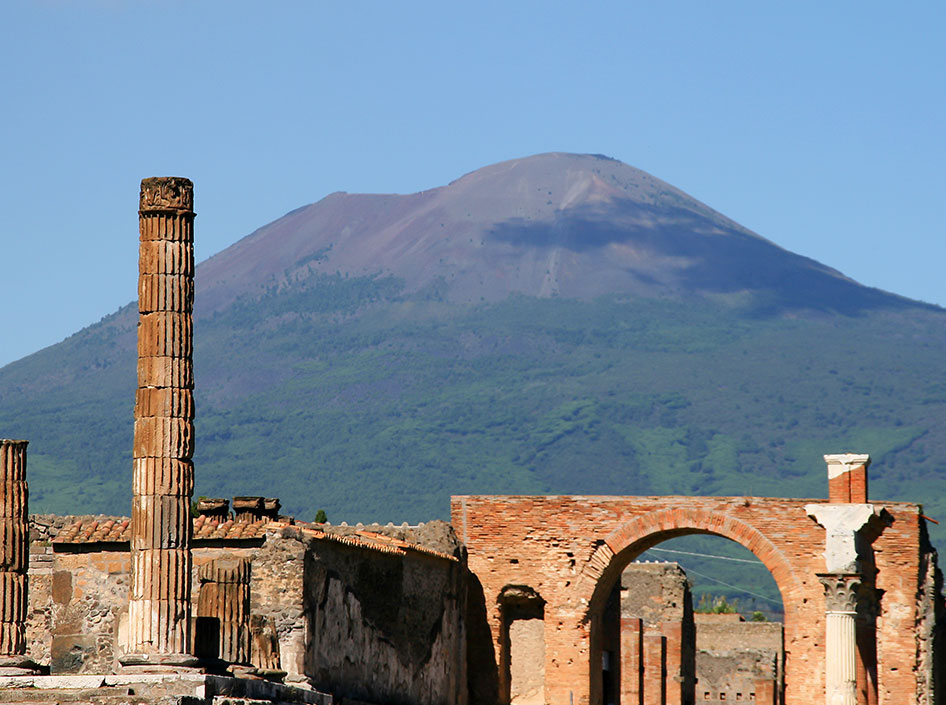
(104, 530)
(373, 541)
(98, 530)
(205, 529)
(118, 530)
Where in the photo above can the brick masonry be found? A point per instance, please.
(571, 550)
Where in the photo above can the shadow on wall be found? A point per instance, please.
(482, 669)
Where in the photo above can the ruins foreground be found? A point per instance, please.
(524, 600)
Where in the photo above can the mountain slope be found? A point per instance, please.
(562, 323)
(555, 224)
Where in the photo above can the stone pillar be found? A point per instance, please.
(159, 608)
(848, 520)
(676, 682)
(847, 478)
(248, 509)
(216, 509)
(14, 558)
(840, 590)
(223, 610)
(655, 669)
(632, 665)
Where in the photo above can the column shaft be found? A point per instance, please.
(840, 683)
(159, 624)
(14, 548)
(840, 659)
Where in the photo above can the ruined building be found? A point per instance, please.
(521, 600)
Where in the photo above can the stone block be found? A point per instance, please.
(165, 292)
(164, 437)
(69, 652)
(165, 371)
(168, 333)
(162, 476)
(152, 401)
(163, 257)
(161, 574)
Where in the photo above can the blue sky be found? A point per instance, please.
(818, 125)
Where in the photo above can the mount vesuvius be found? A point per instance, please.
(555, 324)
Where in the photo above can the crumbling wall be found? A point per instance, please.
(737, 659)
(88, 592)
(732, 675)
(930, 626)
(659, 595)
(385, 627)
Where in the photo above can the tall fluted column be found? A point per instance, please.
(840, 590)
(159, 606)
(14, 557)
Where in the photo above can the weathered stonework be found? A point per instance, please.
(368, 615)
(737, 660)
(572, 550)
(14, 556)
(159, 608)
(223, 609)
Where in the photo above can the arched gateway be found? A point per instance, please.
(566, 552)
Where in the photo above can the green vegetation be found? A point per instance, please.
(718, 604)
(349, 394)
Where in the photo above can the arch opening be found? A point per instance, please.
(522, 654)
(644, 630)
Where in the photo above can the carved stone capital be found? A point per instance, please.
(166, 193)
(841, 591)
(842, 523)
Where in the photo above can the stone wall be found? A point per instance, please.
(658, 594)
(737, 660)
(385, 627)
(367, 621)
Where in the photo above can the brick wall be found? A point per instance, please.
(572, 549)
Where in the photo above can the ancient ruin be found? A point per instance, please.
(14, 558)
(860, 645)
(523, 600)
(159, 609)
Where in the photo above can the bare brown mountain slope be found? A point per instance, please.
(571, 225)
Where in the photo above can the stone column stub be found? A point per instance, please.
(159, 608)
(14, 559)
(839, 463)
(847, 477)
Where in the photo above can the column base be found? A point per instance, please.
(19, 666)
(159, 663)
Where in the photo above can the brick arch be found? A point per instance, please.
(630, 539)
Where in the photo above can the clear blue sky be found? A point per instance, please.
(818, 125)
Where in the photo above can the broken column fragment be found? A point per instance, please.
(14, 558)
(223, 610)
(159, 607)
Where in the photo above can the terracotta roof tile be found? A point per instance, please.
(118, 530)
(375, 542)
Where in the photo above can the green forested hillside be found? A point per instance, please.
(343, 394)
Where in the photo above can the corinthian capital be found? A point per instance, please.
(840, 591)
(166, 193)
